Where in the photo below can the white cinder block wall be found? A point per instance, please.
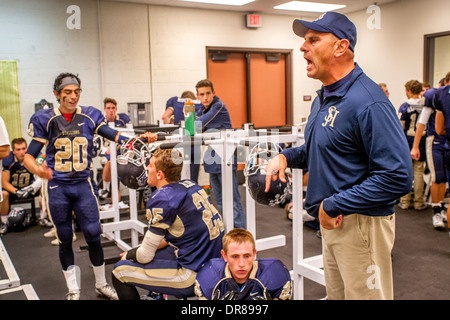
(140, 53)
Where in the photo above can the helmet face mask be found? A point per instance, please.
(132, 163)
(255, 175)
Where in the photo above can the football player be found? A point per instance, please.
(239, 276)
(409, 113)
(68, 131)
(442, 103)
(120, 121)
(17, 181)
(435, 156)
(185, 231)
(174, 112)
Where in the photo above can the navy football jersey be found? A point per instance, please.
(177, 105)
(442, 103)
(409, 116)
(183, 213)
(121, 120)
(269, 279)
(68, 145)
(429, 96)
(19, 176)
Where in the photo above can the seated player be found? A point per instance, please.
(185, 231)
(120, 120)
(239, 276)
(18, 182)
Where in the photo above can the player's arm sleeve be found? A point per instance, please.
(389, 164)
(146, 251)
(296, 157)
(425, 115)
(111, 134)
(281, 285)
(36, 185)
(34, 148)
(211, 115)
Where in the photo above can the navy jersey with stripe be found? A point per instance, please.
(177, 105)
(269, 279)
(69, 145)
(19, 176)
(183, 213)
(429, 96)
(442, 103)
(121, 120)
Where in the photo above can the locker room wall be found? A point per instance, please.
(151, 53)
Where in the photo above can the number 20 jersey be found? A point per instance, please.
(68, 145)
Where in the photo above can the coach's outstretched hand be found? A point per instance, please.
(275, 170)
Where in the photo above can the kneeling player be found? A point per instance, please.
(238, 276)
(180, 215)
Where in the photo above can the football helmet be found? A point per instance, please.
(18, 219)
(132, 162)
(255, 175)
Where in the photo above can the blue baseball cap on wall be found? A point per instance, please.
(329, 22)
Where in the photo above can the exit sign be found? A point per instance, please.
(253, 20)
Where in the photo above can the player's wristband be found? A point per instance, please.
(34, 148)
(131, 254)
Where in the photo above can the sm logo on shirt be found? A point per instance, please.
(329, 119)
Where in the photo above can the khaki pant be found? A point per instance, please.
(418, 185)
(357, 258)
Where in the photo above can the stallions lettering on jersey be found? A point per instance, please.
(69, 145)
(268, 280)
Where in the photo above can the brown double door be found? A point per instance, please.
(255, 86)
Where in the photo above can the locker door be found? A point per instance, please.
(267, 90)
(252, 86)
(230, 84)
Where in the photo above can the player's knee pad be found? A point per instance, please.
(92, 231)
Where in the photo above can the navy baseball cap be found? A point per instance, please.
(329, 22)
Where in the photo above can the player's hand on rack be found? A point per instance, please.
(275, 169)
(151, 137)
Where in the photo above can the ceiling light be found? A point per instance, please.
(224, 2)
(309, 6)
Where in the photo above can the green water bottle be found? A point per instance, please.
(189, 117)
